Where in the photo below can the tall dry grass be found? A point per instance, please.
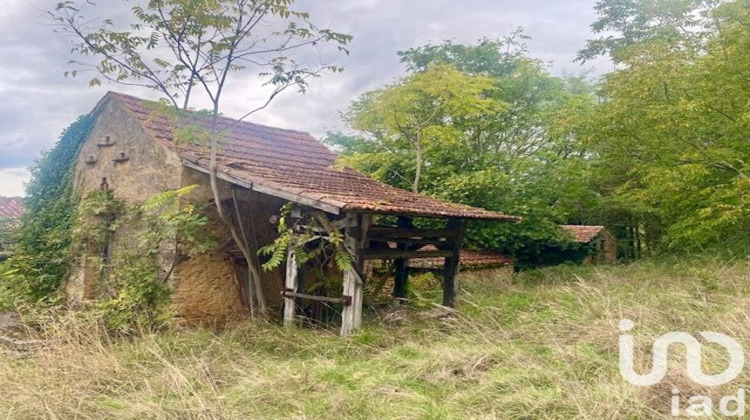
(540, 345)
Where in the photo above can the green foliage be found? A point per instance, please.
(420, 114)
(629, 25)
(311, 237)
(671, 133)
(7, 233)
(42, 255)
(135, 295)
(483, 125)
(174, 46)
(95, 221)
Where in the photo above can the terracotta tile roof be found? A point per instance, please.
(582, 233)
(294, 162)
(468, 259)
(11, 208)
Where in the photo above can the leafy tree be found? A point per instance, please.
(424, 111)
(183, 47)
(671, 133)
(629, 25)
(503, 134)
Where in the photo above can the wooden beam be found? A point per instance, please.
(401, 277)
(436, 271)
(391, 232)
(450, 268)
(290, 283)
(264, 188)
(392, 254)
(355, 239)
(353, 288)
(346, 300)
(411, 241)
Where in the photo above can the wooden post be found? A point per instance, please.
(355, 241)
(450, 275)
(351, 316)
(290, 283)
(401, 279)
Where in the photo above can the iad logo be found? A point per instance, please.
(693, 349)
(700, 405)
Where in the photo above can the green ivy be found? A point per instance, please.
(134, 296)
(42, 255)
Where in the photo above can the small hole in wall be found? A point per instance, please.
(104, 185)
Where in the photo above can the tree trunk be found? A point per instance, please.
(418, 171)
(241, 243)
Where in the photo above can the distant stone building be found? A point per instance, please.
(601, 244)
(11, 209)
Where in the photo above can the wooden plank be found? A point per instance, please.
(290, 283)
(450, 268)
(435, 271)
(346, 300)
(411, 241)
(355, 239)
(391, 232)
(267, 189)
(392, 254)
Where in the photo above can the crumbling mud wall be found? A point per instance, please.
(222, 289)
(206, 291)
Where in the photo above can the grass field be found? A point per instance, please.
(540, 345)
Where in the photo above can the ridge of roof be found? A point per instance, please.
(11, 208)
(221, 117)
(583, 233)
(292, 165)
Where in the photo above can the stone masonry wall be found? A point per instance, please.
(150, 169)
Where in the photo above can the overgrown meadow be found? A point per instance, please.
(538, 345)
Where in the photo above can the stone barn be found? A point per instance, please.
(132, 151)
(601, 243)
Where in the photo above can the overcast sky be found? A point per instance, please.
(37, 101)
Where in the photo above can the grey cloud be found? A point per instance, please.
(38, 102)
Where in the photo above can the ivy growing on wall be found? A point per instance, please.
(133, 294)
(42, 254)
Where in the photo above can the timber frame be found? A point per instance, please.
(365, 241)
(260, 169)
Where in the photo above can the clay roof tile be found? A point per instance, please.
(11, 208)
(583, 233)
(297, 163)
